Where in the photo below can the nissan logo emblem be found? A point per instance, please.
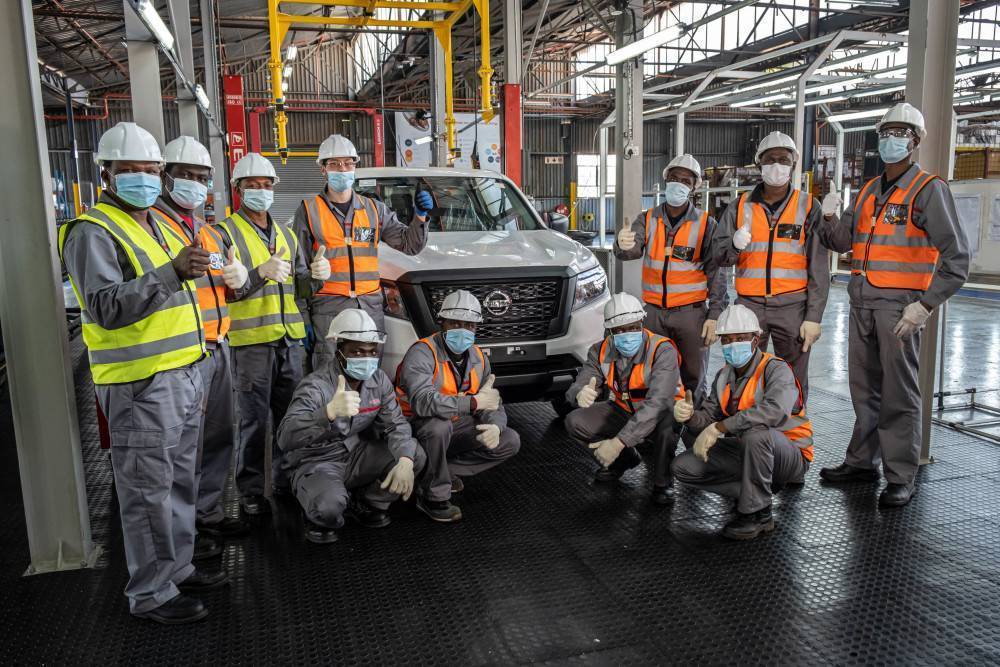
(498, 303)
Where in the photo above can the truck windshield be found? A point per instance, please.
(461, 204)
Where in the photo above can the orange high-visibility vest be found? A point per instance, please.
(775, 260)
(353, 260)
(629, 397)
(888, 249)
(797, 428)
(443, 378)
(211, 286)
(673, 270)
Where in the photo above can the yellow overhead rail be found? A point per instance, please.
(279, 23)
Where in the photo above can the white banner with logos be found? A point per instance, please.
(481, 141)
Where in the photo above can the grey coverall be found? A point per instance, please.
(155, 423)
(328, 459)
(654, 416)
(753, 454)
(883, 369)
(781, 316)
(322, 308)
(683, 324)
(445, 426)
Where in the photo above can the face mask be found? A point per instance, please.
(738, 354)
(340, 181)
(459, 340)
(893, 149)
(189, 194)
(628, 343)
(776, 174)
(361, 368)
(258, 200)
(676, 193)
(139, 190)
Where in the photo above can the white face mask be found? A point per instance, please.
(776, 174)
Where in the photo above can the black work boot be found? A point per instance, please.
(663, 495)
(749, 526)
(200, 580)
(226, 528)
(457, 485)
(318, 534)
(628, 459)
(896, 495)
(848, 473)
(441, 511)
(177, 611)
(255, 505)
(366, 515)
(205, 548)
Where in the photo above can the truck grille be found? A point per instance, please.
(530, 314)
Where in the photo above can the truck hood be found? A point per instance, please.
(481, 250)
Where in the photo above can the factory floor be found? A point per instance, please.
(548, 567)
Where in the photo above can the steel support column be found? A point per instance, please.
(34, 317)
(180, 25)
(216, 144)
(628, 138)
(438, 83)
(679, 135)
(144, 75)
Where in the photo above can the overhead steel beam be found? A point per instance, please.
(800, 99)
(187, 107)
(144, 75)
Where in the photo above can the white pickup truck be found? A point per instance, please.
(542, 293)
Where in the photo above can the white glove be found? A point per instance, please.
(345, 403)
(708, 336)
(319, 268)
(488, 398)
(741, 239)
(234, 274)
(586, 396)
(831, 203)
(489, 435)
(400, 478)
(276, 268)
(606, 451)
(626, 238)
(684, 409)
(705, 441)
(809, 332)
(914, 318)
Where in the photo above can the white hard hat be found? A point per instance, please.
(253, 164)
(127, 141)
(737, 319)
(623, 309)
(461, 306)
(355, 324)
(904, 112)
(336, 145)
(777, 140)
(187, 150)
(688, 162)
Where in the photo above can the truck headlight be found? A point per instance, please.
(392, 302)
(590, 285)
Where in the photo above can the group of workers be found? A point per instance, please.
(180, 317)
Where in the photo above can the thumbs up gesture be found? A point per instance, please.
(319, 268)
(277, 268)
(626, 238)
(345, 403)
(685, 408)
(488, 398)
(586, 396)
(192, 261)
(233, 272)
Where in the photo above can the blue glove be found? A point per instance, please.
(310, 338)
(423, 203)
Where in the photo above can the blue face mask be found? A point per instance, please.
(676, 193)
(138, 189)
(628, 343)
(738, 354)
(893, 149)
(361, 368)
(459, 340)
(258, 200)
(189, 194)
(340, 181)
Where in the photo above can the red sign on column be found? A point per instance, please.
(378, 131)
(236, 124)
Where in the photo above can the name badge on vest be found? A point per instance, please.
(789, 231)
(895, 214)
(215, 261)
(683, 253)
(364, 234)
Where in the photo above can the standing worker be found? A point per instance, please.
(134, 279)
(910, 254)
(345, 228)
(267, 329)
(782, 269)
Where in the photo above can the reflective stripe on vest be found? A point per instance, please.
(679, 280)
(775, 260)
(169, 338)
(211, 286)
(353, 260)
(796, 428)
(443, 379)
(888, 249)
(628, 397)
(270, 313)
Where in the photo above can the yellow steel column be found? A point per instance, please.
(485, 70)
(277, 29)
(443, 34)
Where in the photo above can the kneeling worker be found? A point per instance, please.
(335, 465)
(753, 431)
(444, 383)
(641, 370)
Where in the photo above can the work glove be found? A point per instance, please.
(319, 268)
(488, 398)
(400, 478)
(586, 396)
(192, 261)
(914, 318)
(809, 332)
(831, 203)
(234, 274)
(741, 239)
(489, 435)
(606, 451)
(684, 408)
(705, 441)
(310, 338)
(626, 238)
(276, 268)
(345, 403)
(708, 336)
(423, 203)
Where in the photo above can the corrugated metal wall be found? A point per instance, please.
(325, 72)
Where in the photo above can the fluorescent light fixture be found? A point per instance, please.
(772, 82)
(818, 100)
(855, 115)
(420, 141)
(200, 95)
(287, 74)
(637, 48)
(291, 52)
(970, 99)
(155, 25)
(850, 60)
(759, 100)
(862, 92)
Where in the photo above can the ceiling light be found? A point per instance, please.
(818, 100)
(200, 95)
(772, 82)
(878, 91)
(639, 47)
(759, 100)
(155, 25)
(291, 52)
(287, 74)
(855, 115)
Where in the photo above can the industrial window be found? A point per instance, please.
(587, 175)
